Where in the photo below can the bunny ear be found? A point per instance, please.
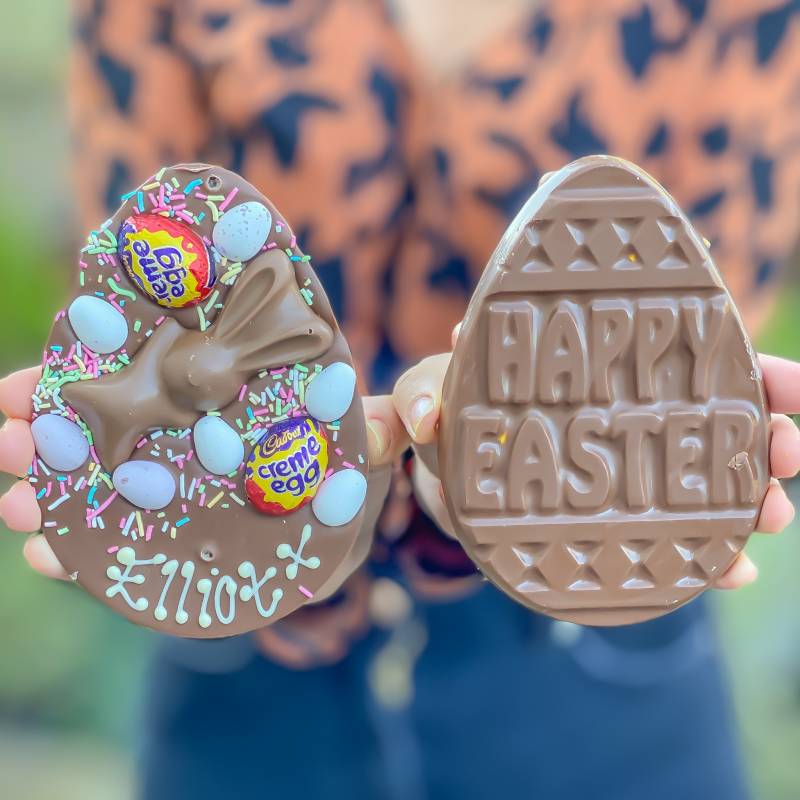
(265, 321)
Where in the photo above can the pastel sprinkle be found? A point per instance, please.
(213, 502)
(57, 503)
(119, 290)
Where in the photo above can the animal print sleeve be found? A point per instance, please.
(135, 101)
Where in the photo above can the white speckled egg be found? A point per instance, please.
(97, 324)
(59, 442)
(218, 447)
(242, 231)
(330, 393)
(146, 484)
(340, 497)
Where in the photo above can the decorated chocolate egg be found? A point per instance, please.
(166, 259)
(178, 448)
(287, 466)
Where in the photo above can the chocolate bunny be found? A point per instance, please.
(179, 374)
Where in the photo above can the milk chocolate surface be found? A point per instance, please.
(219, 489)
(604, 431)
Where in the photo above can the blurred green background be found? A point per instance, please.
(70, 670)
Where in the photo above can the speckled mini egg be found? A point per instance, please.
(242, 231)
(97, 324)
(60, 442)
(145, 484)
(218, 446)
(331, 392)
(340, 497)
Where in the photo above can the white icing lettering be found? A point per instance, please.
(252, 592)
(229, 585)
(127, 557)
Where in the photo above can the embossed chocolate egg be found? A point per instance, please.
(180, 495)
(166, 259)
(604, 430)
(286, 467)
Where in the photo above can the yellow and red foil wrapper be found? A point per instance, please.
(287, 466)
(166, 259)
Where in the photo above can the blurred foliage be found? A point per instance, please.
(70, 670)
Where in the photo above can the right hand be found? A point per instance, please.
(18, 507)
(418, 399)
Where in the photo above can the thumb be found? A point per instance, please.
(386, 435)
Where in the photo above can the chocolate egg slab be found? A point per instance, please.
(604, 431)
(182, 474)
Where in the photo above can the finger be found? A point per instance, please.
(386, 435)
(430, 495)
(782, 381)
(777, 510)
(741, 573)
(40, 556)
(16, 390)
(16, 447)
(418, 396)
(454, 335)
(19, 509)
(784, 447)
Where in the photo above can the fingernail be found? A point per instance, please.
(381, 436)
(420, 409)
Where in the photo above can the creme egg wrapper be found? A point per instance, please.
(287, 466)
(604, 431)
(169, 262)
(178, 454)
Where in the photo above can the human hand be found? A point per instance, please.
(19, 510)
(18, 507)
(417, 397)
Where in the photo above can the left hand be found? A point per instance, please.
(418, 398)
(312, 635)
